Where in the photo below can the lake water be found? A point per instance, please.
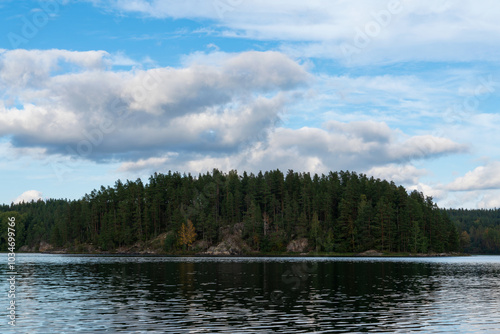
(88, 294)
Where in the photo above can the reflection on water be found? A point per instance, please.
(57, 293)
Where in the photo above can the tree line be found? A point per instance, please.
(338, 212)
(479, 229)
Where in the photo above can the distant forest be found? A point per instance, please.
(479, 230)
(340, 212)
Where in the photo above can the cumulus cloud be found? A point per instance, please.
(32, 68)
(435, 191)
(369, 131)
(400, 174)
(11, 153)
(96, 112)
(28, 196)
(354, 146)
(216, 110)
(361, 146)
(490, 200)
(153, 164)
(426, 146)
(481, 178)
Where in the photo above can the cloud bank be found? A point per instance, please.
(94, 111)
(217, 110)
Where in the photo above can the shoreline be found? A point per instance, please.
(268, 255)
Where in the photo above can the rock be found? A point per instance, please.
(223, 248)
(153, 246)
(44, 247)
(370, 252)
(200, 246)
(231, 245)
(25, 249)
(297, 246)
(238, 229)
(158, 243)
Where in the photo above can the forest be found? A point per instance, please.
(341, 212)
(479, 229)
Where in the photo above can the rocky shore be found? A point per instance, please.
(232, 244)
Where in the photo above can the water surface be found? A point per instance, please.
(66, 294)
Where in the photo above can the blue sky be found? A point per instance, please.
(94, 91)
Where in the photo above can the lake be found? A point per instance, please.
(86, 293)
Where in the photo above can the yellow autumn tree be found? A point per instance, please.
(187, 234)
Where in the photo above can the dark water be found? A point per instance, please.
(66, 294)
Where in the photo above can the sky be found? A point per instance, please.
(93, 91)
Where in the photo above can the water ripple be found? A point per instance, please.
(88, 294)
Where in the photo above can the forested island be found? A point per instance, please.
(230, 214)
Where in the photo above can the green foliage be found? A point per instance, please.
(315, 233)
(342, 211)
(478, 231)
(170, 241)
(56, 238)
(19, 227)
(329, 242)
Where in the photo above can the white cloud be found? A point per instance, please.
(370, 131)
(28, 196)
(353, 146)
(12, 153)
(32, 68)
(473, 199)
(400, 174)
(375, 30)
(359, 146)
(405, 101)
(489, 200)
(426, 146)
(435, 191)
(105, 113)
(482, 177)
(143, 164)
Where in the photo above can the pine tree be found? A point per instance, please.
(315, 232)
(341, 211)
(364, 223)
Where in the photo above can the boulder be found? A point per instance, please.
(25, 249)
(230, 245)
(297, 246)
(44, 247)
(370, 252)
